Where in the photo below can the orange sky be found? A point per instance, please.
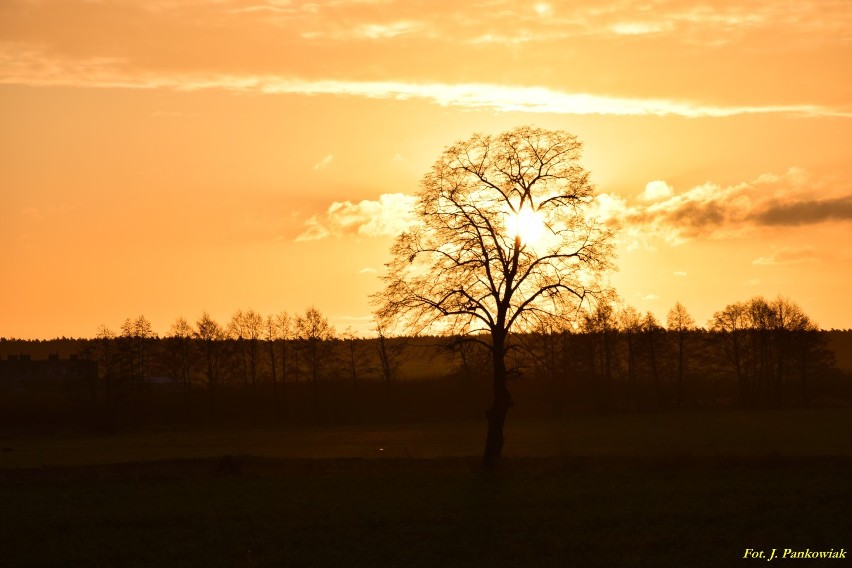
(168, 157)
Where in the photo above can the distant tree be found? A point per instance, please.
(771, 346)
(271, 334)
(136, 335)
(630, 324)
(681, 323)
(354, 355)
(314, 332)
(247, 329)
(600, 324)
(651, 341)
(731, 323)
(504, 237)
(285, 332)
(210, 334)
(179, 346)
(105, 338)
(390, 351)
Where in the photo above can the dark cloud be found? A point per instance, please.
(806, 212)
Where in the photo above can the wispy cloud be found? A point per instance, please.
(31, 67)
(368, 31)
(389, 215)
(642, 28)
(787, 256)
(324, 162)
(519, 99)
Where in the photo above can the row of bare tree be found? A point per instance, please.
(770, 350)
(296, 368)
(256, 354)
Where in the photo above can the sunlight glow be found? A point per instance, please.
(526, 224)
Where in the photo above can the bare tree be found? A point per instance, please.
(630, 322)
(106, 337)
(601, 327)
(178, 345)
(651, 331)
(211, 334)
(285, 331)
(680, 322)
(354, 355)
(314, 332)
(135, 335)
(770, 344)
(247, 328)
(390, 351)
(270, 335)
(504, 238)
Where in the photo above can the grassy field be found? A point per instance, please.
(658, 490)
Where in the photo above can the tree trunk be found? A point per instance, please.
(499, 408)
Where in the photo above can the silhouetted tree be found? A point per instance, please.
(247, 328)
(601, 327)
(390, 352)
(771, 345)
(681, 323)
(503, 238)
(651, 341)
(354, 355)
(135, 335)
(178, 347)
(105, 338)
(270, 335)
(285, 334)
(314, 333)
(210, 334)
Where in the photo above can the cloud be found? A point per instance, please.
(705, 211)
(368, 31)
(656, 190)
(543, 9)
(324, 163)
(641, 28)
(807, 212)
(680, 273)
(35, 68)
(787, 256)
(367, 270)
(390, 215)
(713, 211)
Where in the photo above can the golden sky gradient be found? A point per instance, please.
(168, 157)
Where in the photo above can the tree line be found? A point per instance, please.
(296, 368)
(753, 353)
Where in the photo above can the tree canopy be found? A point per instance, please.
(505, 238)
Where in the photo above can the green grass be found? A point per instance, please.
(652, 490)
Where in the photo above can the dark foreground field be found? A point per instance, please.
(637, 501)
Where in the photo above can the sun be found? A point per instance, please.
(526, 224)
